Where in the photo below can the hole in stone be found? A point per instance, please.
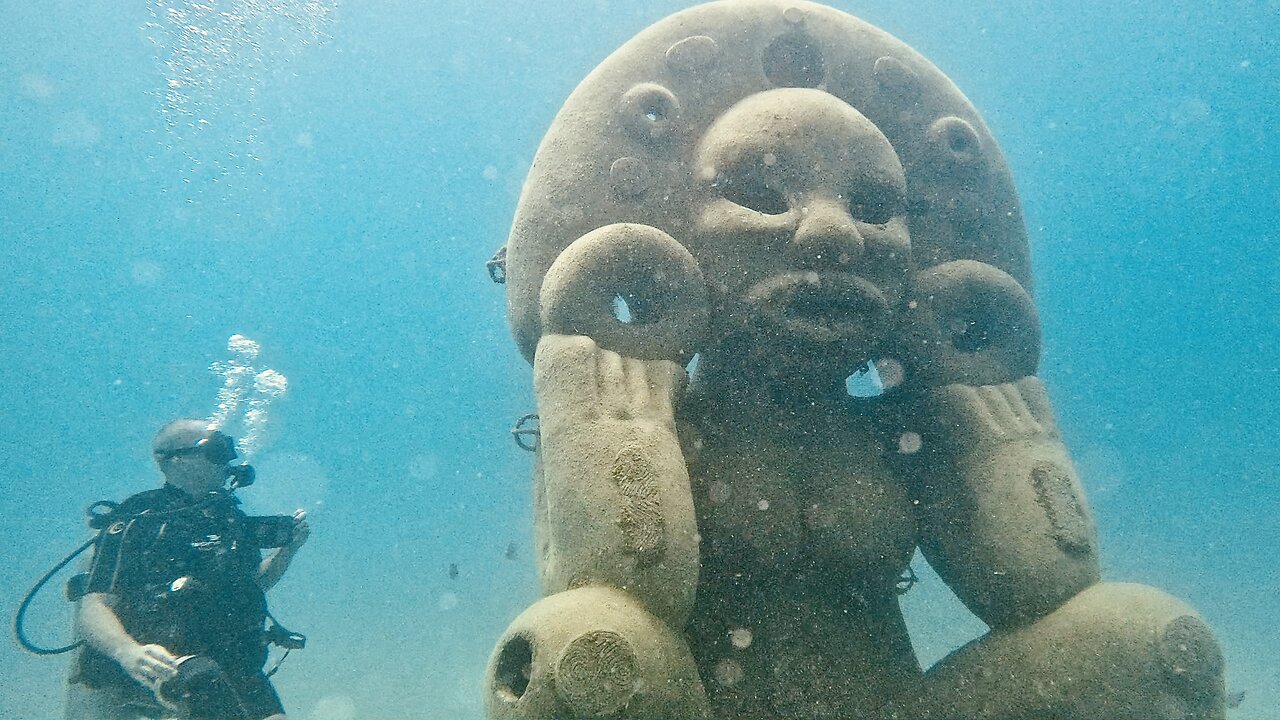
(959, 141)
(621, 309)
(754, 194)
(865, 382)
(639, 307)
(793, 61)
(649, 110)
(515, 666)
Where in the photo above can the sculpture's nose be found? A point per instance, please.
(826, 236)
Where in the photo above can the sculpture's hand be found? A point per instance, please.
(995, 414)
(1002, 513)
(617, 510)
(580, 384)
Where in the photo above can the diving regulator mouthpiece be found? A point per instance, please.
(240, 476)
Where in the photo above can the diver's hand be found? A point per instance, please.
(301, 529)
(150, 665)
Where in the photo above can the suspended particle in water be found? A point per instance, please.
(762, 505)
(717, 492)
(729, 672)
(741, 638)
(909, 443)
(334, 707)
(890, 371)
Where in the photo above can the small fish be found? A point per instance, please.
(1234, 698)
(510, 554)
(453, 571)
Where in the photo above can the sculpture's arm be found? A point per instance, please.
(1004, 522)
(618, 549)
(616, 532)
(616, 506)
(1002, 516)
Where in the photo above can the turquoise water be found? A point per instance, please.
(361, 164)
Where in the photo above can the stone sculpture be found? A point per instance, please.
(789, 194)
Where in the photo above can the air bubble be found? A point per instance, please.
(218, 59)
(245, 385)
(891, 372)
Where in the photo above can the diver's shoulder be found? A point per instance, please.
(153, 499)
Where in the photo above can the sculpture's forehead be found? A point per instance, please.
(797, 132)
(624, 146)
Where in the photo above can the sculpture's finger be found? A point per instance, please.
(565, 377)
(665, 381)
(614, 386)
(1001, 411)
(1026, 420)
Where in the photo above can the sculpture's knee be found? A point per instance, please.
(1191, 661)
(1118, 651)
(590, 653)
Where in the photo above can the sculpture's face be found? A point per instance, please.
(801, 231)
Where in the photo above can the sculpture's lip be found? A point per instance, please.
(818, 308)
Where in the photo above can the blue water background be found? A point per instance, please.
(1142, 136)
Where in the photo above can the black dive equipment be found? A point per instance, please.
(240, 476)
(201, 691)
(217, 447)
(270, 531)
(265, 532)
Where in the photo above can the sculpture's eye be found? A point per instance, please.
(876, 206)
(753, 193)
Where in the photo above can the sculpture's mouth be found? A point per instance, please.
(819, 308)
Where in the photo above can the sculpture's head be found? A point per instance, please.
(775, 181)
(800, 226)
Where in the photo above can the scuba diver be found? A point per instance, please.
(172, 610)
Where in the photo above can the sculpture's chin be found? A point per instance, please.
(837, 315)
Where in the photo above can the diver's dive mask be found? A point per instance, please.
(217, 447)
(220, 449)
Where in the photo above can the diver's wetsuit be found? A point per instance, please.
(185, 579)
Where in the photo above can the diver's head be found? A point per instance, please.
(193, 456)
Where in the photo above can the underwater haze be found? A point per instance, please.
(328, 180)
